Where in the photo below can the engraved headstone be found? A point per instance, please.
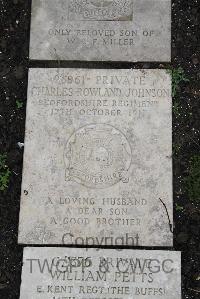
(55, 273)
(95, 30)
(97, 161)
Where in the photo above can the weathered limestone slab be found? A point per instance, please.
(108, 274)
(97, 160)
(96, 30)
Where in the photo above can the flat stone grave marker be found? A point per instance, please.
(101, 30)
(97, 161)
(108, 274)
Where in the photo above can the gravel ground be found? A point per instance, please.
(14, 64)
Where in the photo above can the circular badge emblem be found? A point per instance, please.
(97, 156)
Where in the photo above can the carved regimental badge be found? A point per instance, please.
(101, 10)
(97, 156)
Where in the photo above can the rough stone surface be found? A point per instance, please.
(99, 30)
(79, 273)
(97, 160)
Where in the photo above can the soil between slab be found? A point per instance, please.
(14, 64)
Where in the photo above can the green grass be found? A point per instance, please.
(19, 104)
(178, 208)
(176, 108)
(193, 179)
(178, 76)
(176, 149)
(4, 173)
